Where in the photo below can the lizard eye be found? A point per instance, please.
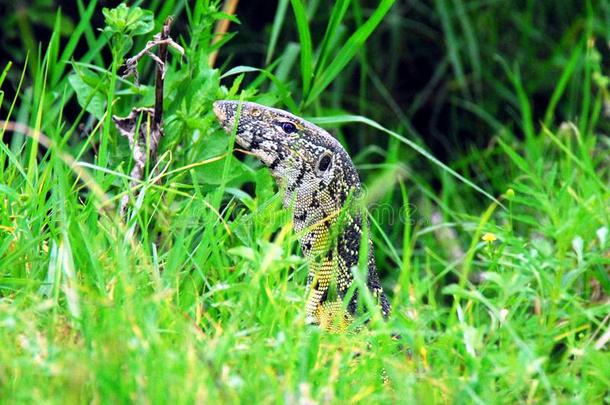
(288, 127)
(325, 162)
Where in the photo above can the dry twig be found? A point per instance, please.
(143, 127)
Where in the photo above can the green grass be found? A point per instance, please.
(198, 295)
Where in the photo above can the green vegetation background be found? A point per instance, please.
(497, 263)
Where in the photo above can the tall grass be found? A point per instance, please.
(496, 262)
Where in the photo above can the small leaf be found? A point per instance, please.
(115, 18)
(140, 21)
(89, 96)
(130, 21)
(602, 235)
(578, 246)
(243, 251)
(211, 174)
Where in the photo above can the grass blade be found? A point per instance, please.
(281, 87)
(561, 85)
(452, 45)
(348, 51)
(5, 72)
(278, 21)
(305, 39)
(82, 27)
(471, 44)
(337, 15)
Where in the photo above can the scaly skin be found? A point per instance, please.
(321, 184)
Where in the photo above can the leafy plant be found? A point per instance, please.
(123, 23)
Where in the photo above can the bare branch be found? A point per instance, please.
(143, 127)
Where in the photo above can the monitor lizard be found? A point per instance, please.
(320, 184)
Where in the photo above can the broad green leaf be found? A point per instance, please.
(88, 92)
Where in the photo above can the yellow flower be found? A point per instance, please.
(510, 194)
(489, 237)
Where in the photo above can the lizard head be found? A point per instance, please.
(307, 160)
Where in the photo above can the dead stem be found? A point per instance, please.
(143, 127)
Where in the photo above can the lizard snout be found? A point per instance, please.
(220, 111)
(225, 112)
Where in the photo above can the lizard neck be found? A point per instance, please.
(332, 248)
(329, 220)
